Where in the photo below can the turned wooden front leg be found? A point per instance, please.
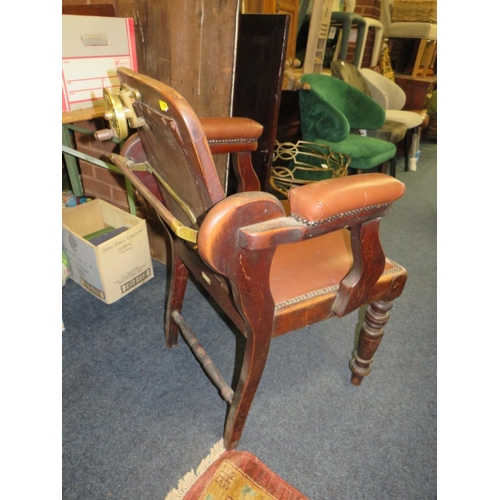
(377, 316)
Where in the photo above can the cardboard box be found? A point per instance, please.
(92, 49)
(115, 267)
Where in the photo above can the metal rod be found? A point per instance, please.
(91, 132)
(90, 159)
(71, 164)
(109, 166)
(209, 367)
(184, 232)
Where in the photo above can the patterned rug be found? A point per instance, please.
(233, 475)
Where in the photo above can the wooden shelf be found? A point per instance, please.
(82, 114)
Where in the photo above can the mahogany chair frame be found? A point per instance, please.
(235, 246)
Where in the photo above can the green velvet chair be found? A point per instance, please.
(333, 113)
(400, 125)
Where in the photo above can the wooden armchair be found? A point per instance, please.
(270, 272)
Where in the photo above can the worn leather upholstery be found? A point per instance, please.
(318, 201)
(225, 134)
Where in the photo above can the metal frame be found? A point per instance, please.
(70, 156)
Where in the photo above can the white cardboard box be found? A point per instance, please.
(93, 48)
(111, 269)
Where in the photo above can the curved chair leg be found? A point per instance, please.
(342, 47)
(177, 284)
(377, 41)
(377, 44)
(383, 166)
(358, 53)
(254, 362)
(393, 166)
(346, 30)
(377, 316)
(408, 139)
(343, 43)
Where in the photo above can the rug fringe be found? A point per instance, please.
(186, 483)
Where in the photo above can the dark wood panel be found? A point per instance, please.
(289, 117)
(260, 65)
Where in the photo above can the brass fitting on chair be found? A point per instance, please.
(120, 113)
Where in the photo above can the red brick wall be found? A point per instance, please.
(109, 186)
(97, 181)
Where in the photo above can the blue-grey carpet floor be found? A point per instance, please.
(137, 417)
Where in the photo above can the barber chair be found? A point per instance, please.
(244, 249)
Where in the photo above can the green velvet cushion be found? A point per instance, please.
(364, 152)
(331, 108)
(360, 110)
(318, 119)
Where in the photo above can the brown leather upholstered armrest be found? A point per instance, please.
(231, 134)
(316, 202)
(317, 208)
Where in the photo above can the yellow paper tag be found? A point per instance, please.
(163, 106)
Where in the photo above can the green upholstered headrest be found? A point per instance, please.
(359, 110)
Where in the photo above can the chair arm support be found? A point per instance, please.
(239, 137)
(247, 270)
(368, 265)
(218, 236)
(257, 221)
(231, 134)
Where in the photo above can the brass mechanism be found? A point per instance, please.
(120, 113)
(127, 165)
(147, 167)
